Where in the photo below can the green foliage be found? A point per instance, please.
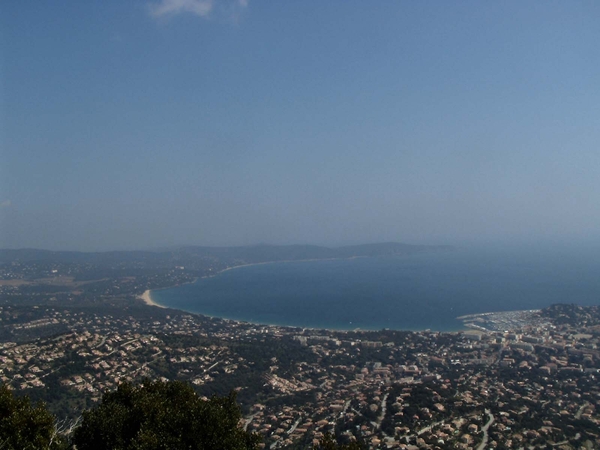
(162, 416)
(24, 426)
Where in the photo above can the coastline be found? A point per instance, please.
(282, 261)
(466, 322)
(146, 297)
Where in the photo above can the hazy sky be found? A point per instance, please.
(142, 124)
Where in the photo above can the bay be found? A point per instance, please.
(413, 292)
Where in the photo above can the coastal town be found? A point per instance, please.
(299, 225)
(520, 379)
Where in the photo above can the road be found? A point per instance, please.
(276, 444)
(485, 430)
(346, 406)
(428, 427)
(143, 366)
(212, 367)
(293, 428)
(248, 420)
(580, 412)
(102, 342)
(383, 406)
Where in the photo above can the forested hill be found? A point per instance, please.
(245, 254)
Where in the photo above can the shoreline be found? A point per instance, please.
(146, 297)
(465, 326)
(149, 302)
(282, 261)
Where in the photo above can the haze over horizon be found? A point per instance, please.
(153, 123)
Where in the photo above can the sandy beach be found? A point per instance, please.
(147, 298)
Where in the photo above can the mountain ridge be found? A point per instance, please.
(249, 253)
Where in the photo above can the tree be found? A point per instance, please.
(24, 426)
(160, 415)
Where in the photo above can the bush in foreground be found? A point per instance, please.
(152, 416)
(162, 416)
(24, 426)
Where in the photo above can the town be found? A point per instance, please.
(510, 380)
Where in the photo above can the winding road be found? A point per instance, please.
(485, 430)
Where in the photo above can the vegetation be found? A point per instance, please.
(24, 426)
(154, 415)
(160, 415)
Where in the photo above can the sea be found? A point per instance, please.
(425, 291)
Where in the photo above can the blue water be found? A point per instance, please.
(426, 291)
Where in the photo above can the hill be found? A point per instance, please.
(242, 254)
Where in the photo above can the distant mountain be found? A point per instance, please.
(263, 253)
(235, 255)
(29, 255)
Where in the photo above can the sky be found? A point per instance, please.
(154, 123)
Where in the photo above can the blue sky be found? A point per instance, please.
(145, 124)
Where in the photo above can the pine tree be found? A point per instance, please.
(158, 415)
